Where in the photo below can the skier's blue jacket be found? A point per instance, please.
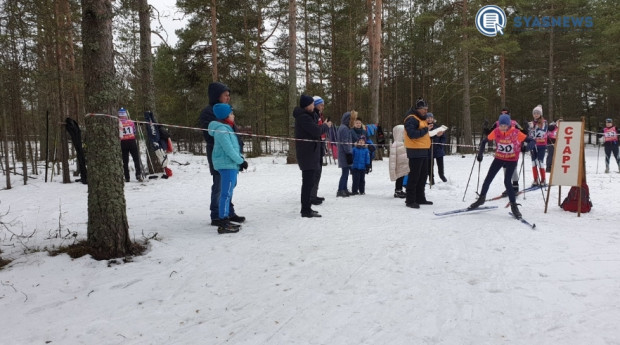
(226, 153)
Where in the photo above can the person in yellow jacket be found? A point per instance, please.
(418, 144)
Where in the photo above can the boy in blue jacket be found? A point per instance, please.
(361, 163)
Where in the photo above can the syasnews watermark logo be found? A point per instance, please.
(491, 20)
(522, 23)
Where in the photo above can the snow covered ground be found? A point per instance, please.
(370, 271)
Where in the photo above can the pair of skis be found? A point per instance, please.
(482, 209)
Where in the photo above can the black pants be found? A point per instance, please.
(130, 147)
(439, 163)
(496, 165)
(307, 182)
(399, 184)
(609, 149)
(359, 181)
(317, 180)
(418, 172)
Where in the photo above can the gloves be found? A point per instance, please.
(349, 157)
(479, 157)
(531, 146)
(368, 168)
(243, 166)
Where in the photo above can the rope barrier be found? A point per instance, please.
(265, 136)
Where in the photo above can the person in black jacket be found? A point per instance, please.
(218, 93)
(308, 150)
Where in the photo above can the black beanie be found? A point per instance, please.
(420, 103)
(305, 101)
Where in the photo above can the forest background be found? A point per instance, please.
(376, 57)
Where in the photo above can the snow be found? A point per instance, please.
(370, 271)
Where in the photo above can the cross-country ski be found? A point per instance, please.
(465, 210)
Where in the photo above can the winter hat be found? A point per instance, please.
(420, 103)
(609, 120)
(537, 110)
(222, 110)
(122, 112)
(504, 119)
(505, 110)
(362, 137)
(317, 100)
(430, 115)
(305, 101)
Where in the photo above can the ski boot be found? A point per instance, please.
(515, 210)
(481, 199)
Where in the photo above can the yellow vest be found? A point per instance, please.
(418, 143)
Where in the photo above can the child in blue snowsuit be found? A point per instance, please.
(361, 164)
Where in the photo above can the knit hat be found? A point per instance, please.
(420, 103)
(506, 110)
(430, 115)
(537, 110)
(504, 119)
(362, 137)
(305, 101)
(609, 120)
(122, 112)
(222, 110)
(317, 100)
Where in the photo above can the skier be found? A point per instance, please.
(129, 145)
(515, 174)
(538, 132)
(611, 143)
(508, 141)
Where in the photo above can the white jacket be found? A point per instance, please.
(399, 163)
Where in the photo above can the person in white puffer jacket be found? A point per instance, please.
(399, 163)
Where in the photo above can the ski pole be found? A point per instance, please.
(478, 184)
(472, 170)
(523, 169)
(598, 153)
(431, 179)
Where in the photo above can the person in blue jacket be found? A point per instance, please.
(227, 160)
(361, 164)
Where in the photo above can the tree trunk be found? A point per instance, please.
(214, 40)
(467, 132)
(5, 147)
(502, 80)
(60, 70)
(551, 81)
(306, 45)
(292, 76)
(108, 230)
(147, 86)
(375, 39)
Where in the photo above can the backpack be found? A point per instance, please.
(380, 136)
(571, 202)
